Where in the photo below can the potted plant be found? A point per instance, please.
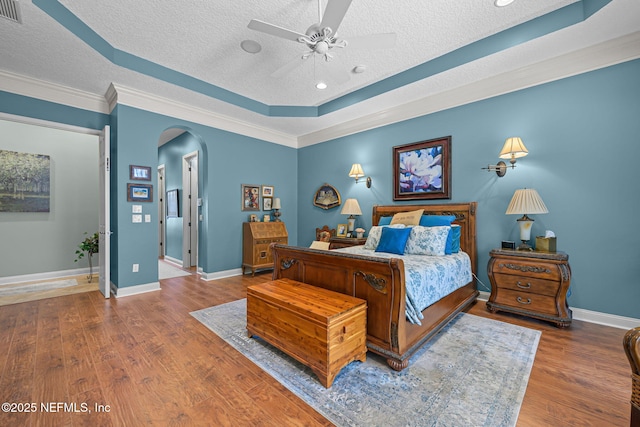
(90, 245)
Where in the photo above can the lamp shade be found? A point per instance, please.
(276, 203)
(513, 148)
(356, 172)
(526, 201)
(351, 207)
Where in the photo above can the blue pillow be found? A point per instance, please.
(393, 240)
(385, 220)
(437, 221)
(455, 238)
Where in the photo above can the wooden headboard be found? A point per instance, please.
(465, 214)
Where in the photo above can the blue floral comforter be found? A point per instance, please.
(428, 278)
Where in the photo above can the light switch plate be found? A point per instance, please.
(136, 218)
(136, 208)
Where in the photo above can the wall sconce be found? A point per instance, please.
(357, 173)
(513, 148)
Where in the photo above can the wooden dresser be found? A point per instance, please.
(256, 238)
(530, 283)
(323, 329)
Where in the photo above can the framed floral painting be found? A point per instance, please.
(422, 170)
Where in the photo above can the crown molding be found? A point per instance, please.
(117, 94)
(602, 55)
(52, 92)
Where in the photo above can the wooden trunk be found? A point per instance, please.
(322, 329)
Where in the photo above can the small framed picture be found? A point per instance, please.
(250, 197)
(267, 191)
(266, 203)
(341, 230)
(172, 204)
(253, 218)
(139, 192)
(140, 173)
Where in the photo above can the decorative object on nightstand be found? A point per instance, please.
(526, 201)
(351, 208)
(276, 207)
(357, 173)
(532, 284)
(512, 149)
(359, 233)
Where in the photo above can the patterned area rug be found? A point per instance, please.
(473, 373)
(36, 287)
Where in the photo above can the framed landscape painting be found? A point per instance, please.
(422, 170)
(25, 181)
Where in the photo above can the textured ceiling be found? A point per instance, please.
(201, 39)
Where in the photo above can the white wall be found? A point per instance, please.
(43, 242)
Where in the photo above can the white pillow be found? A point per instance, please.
(427, 240)
(374, 235)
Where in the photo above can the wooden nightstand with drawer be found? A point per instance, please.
(530, 283)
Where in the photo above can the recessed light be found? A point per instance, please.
(503, 3)
(321, 85)
(250, 46)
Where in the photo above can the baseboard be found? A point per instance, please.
(136, 290)
(49, 275)
(221, 274)
(171, 260)
(597, 317)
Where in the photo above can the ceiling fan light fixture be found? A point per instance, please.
(250, 46)
(503, 3)
(321, 85)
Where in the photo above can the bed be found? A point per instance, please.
(382, 283)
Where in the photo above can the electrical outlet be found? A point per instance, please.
(136, 267)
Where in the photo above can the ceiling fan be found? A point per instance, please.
(322, 38)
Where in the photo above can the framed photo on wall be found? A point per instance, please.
(139, 192)
(266, 203)
(422, 170)
(267, 191)
(172, 204)
(250, 197)
(140, 173)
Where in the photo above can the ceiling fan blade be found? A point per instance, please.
(372, 41)
(334, 13)
(288, 67)
(274, 30)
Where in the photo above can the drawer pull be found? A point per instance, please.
(521, 286)
(263, 254)
(523, 301)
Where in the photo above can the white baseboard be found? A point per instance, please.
(171, 260)
(135, 290)
(590, 316)
(221, 274)
(46, 276)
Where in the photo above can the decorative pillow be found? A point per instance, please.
(455, 239)
(427, 240)
(407, 218)
(374, 235)
(438, 220)
(384, 220)
(393, 240)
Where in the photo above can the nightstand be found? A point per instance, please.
(530, 283)
(345, 242)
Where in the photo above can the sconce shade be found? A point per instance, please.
(351, 207)
(276, 203)
(356, 171)
(526, 201)
(513, 148)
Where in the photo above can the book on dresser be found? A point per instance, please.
(256, 238)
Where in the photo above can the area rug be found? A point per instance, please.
(473, 373)
(168, 271)
(36, 287)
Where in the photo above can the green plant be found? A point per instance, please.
(90, 245)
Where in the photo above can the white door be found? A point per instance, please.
(104, 228)
(190, 210)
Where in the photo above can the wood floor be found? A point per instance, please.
(143, 360)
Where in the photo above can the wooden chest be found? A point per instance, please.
(256, 238)
(322, 329)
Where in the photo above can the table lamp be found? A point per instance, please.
(276, 206)
(351, 208)
(526, 201)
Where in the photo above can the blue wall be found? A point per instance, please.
(582, 135)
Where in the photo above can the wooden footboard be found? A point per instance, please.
(381, 283)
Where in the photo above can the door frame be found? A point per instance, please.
(190, 217)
